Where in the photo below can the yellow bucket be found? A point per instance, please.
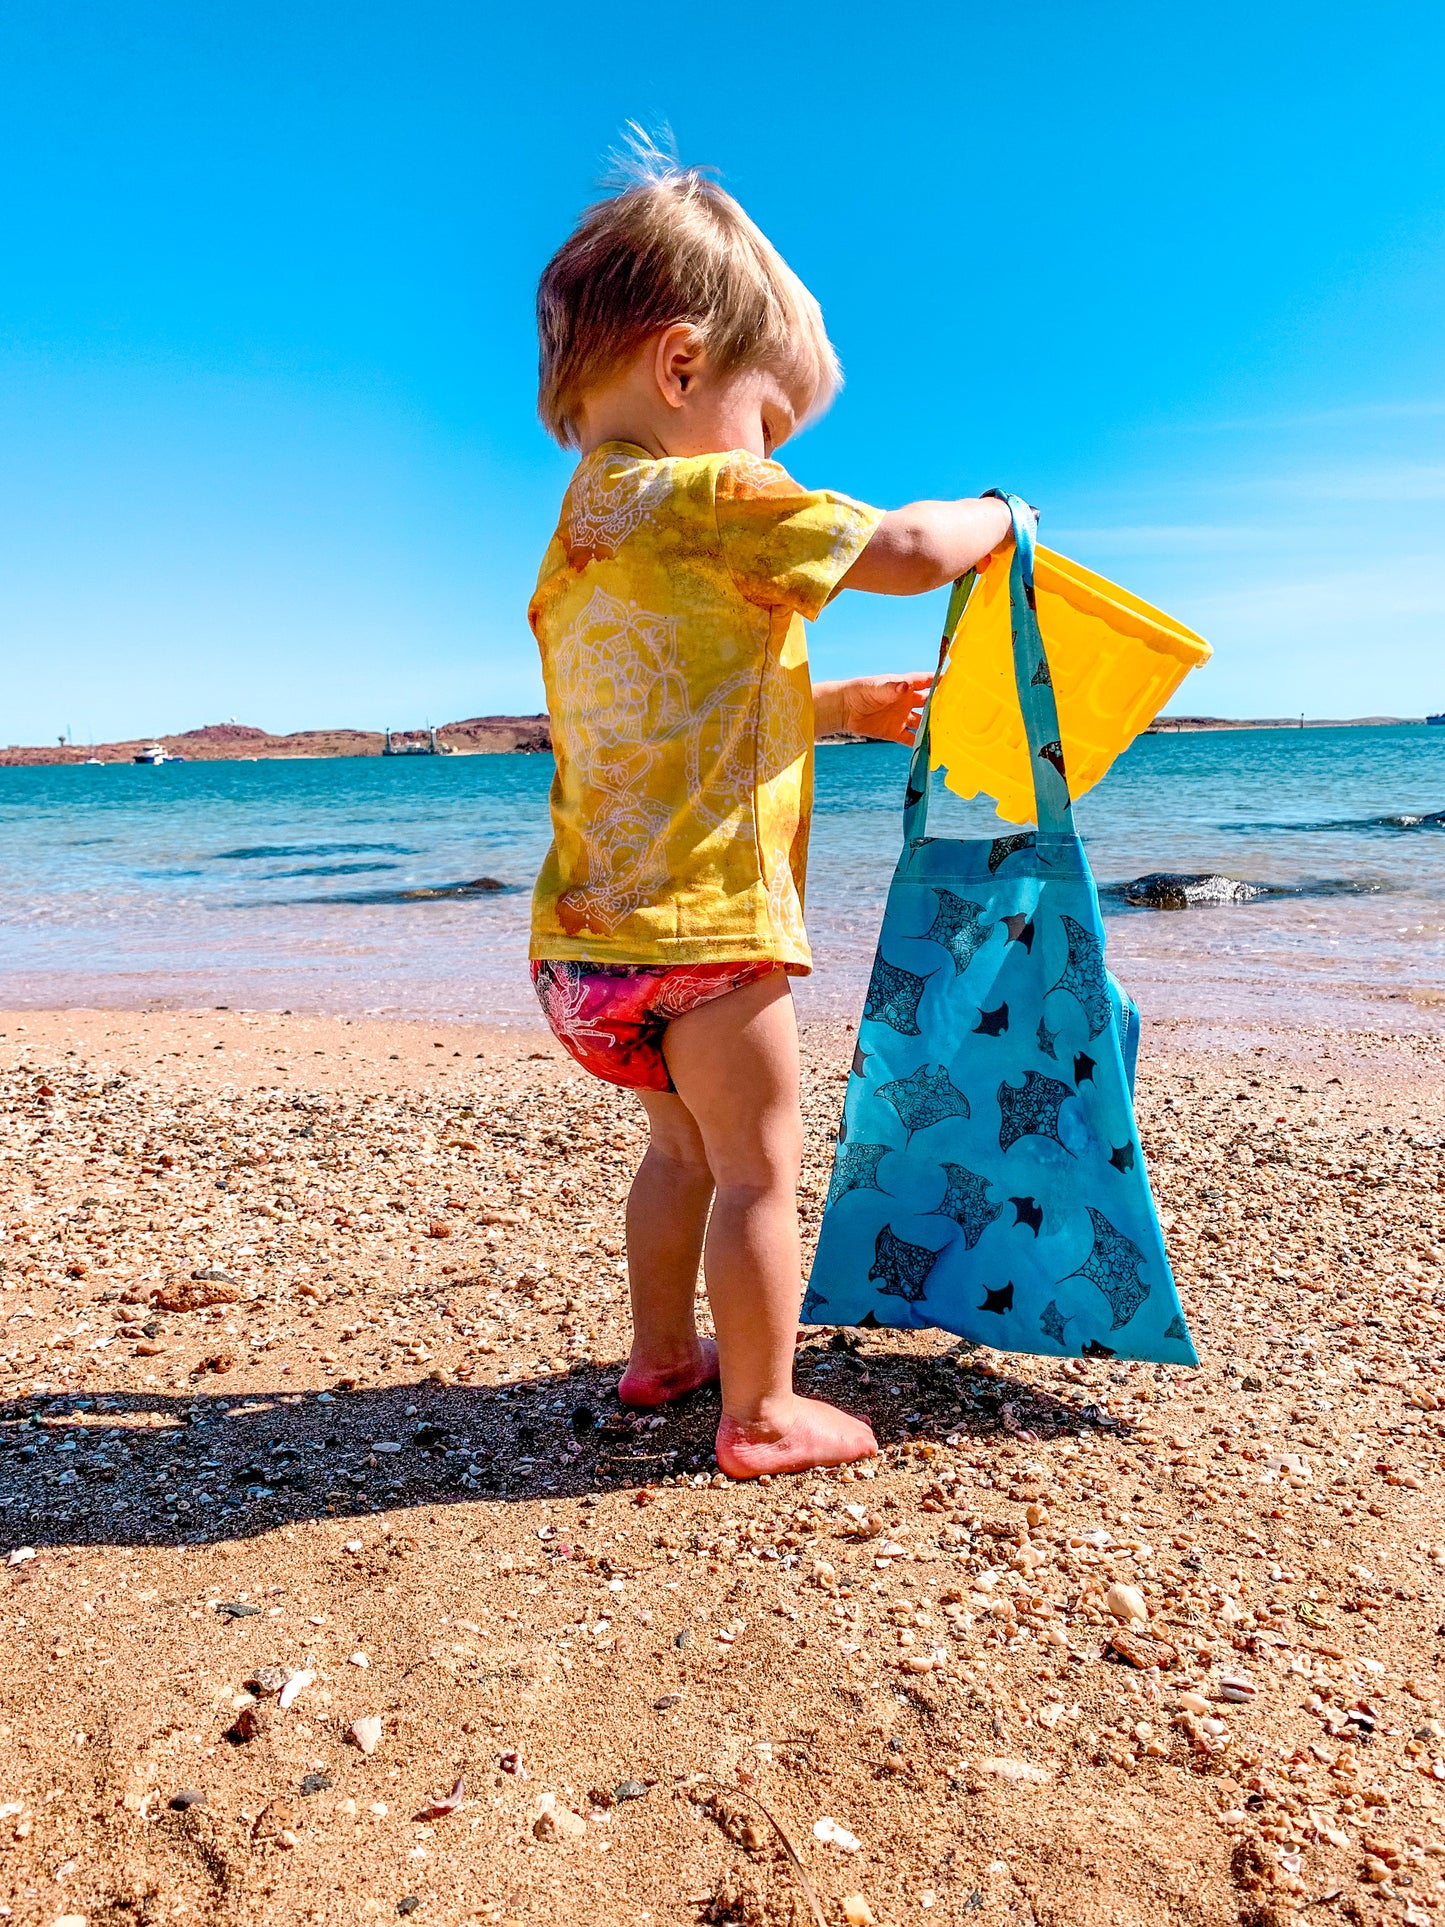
(1114, 662)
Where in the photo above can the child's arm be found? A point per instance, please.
(885, 706)
(911, 551)
(926, 544)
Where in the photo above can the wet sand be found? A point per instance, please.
(387, 1456)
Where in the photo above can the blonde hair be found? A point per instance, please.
(671, 246)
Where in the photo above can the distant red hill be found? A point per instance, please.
(224, 733)
(230, 742)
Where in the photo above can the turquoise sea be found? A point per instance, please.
(333, 885)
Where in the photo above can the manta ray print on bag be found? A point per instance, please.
(988, 1177)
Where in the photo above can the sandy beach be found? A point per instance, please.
(337, 1587)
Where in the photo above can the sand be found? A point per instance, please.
(384, 1469)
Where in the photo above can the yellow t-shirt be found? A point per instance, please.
(669, 613)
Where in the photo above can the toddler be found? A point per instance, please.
(678, 353)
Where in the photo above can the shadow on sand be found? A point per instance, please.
(142, 1468)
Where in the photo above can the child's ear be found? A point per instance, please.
(679, 357)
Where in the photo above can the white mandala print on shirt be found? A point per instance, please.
(616, 673)
(608, 501)
(757, 473)
(722, 753)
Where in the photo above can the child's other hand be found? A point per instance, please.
(888, 707)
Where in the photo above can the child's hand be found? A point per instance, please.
(888, 707)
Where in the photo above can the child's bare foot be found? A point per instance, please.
(644, 1383)
(806, 1433)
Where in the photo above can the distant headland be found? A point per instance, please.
(242, 742)
(475, 736)
(1171, 725)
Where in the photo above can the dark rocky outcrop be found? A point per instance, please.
(1184, 890)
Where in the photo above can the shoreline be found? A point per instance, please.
(1231, 1010)
(1193, 725)
(494, 736)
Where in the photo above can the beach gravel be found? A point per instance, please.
(311, 1330)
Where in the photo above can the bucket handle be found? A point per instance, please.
(1032, 681)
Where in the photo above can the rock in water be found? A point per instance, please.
(1182, 890)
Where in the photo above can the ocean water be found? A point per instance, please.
(342, 885)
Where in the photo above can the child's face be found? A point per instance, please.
(750, 408)
(670, 400)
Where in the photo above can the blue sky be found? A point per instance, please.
(267, 443)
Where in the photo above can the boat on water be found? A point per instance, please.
(154, 754)
(414, 742)
(1437, 719)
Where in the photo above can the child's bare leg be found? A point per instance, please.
(735, 1065)
(666, 1219)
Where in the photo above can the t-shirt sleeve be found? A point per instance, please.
(784, 545)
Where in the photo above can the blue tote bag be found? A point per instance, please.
(988, 1176)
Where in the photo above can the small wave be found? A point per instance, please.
(257, 852)
(1193, 890)
(421, 893)
(1398, 820)
(330, 870)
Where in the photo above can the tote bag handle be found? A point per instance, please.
(1032, 681)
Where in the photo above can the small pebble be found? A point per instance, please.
(1016, 1772)
(557, 1822)
(1126, 1602)
(250, 1724)
(1139, 1650)
(296, 1684)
